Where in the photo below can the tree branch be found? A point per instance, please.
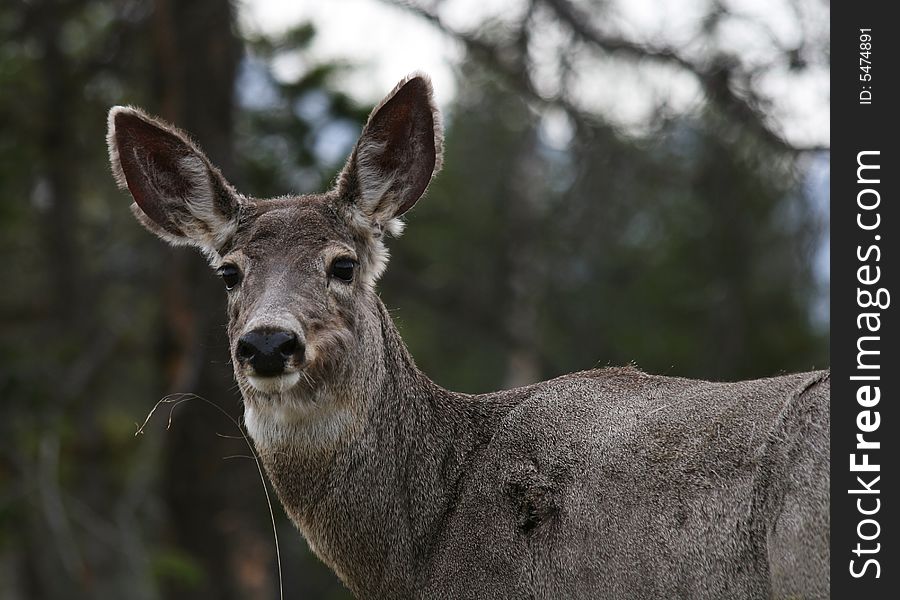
(716, 78)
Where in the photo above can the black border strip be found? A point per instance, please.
(862, 254)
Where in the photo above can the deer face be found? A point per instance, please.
(299, 271)
(296, 290)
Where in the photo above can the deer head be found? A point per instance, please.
(299, 271)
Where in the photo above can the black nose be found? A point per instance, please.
(268, 350)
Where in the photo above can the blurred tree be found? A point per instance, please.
(686, 246)
(681, 251)
(549, 50)
(63, 331)
(294, 130)
(103, 320)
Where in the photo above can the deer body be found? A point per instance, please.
(602, 484)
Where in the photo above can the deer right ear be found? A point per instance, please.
(397, 154)
(178, 194)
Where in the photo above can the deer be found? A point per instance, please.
(606, 483)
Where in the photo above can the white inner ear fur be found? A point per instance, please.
(373, 258)
(202, 205)
(374, 183)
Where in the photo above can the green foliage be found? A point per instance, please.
(178, 567)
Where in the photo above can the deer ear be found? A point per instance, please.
(177, 193)
(397, 154)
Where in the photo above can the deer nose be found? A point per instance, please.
(267, 351)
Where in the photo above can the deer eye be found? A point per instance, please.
(230, 274)
(342, 269)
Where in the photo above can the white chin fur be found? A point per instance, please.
(274, 385)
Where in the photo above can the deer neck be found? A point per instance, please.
(368, 476)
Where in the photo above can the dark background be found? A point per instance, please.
(687, 247)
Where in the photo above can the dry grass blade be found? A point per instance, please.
(175, 400)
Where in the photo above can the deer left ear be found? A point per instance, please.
(397, 154)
